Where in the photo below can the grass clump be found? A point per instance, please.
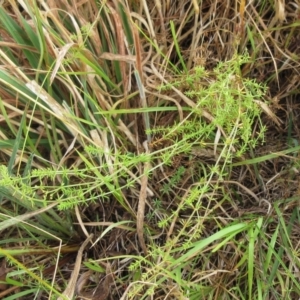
(133, 143)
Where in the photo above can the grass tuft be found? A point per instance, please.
(149, 150)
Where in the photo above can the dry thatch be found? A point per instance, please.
(111, 63)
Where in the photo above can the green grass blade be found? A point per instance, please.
(16, 146)
(177, 47)
(223, 233)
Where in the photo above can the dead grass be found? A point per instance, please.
(98, 61)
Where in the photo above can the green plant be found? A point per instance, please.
(111, 113)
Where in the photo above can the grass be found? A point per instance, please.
(149, 151)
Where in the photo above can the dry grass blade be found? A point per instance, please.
(120, 36)
(82, 282)
(71, 287)
(142, 204)
(118, 57)
(56, 108)
(280, 13)
(102, 290)
(78, 215)
(269, 112)
(60, 59)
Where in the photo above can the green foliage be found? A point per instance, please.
(73, 138)
(174, 180)
(230, 101)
